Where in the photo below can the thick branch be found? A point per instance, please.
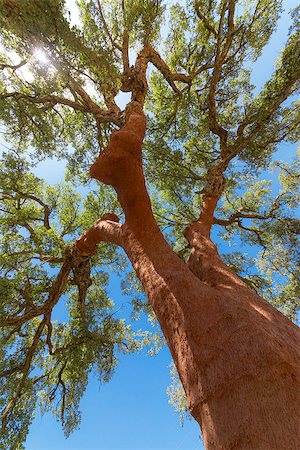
(205, 221)
(120, 165)
(106, 229)
(213, 189)
(204, 254)
(159, 63)
(135, 80)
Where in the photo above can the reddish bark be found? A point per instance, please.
(236, 355)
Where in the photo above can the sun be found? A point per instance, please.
(41, 56)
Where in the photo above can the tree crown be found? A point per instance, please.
(209, 133)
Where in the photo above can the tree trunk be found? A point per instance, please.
(236, 355)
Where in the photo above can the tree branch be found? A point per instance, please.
(204, 20)
(101, 115)
(242, 140)
(159, 63)
(234, 218)
(25, 371)
(113, 42)
(106, 229)
(220, 57)
(12, 66)
(125, 43)
(47, 210)
(135, 81)
(52, 99)
(53, 297)
(252, 230)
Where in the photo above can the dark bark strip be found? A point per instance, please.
(237, 356)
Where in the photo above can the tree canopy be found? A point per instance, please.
(208, 132)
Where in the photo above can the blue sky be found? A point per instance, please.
(132, 411)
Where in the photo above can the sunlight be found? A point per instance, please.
(40, 56)
(26, 74)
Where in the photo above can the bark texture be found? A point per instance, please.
(237, 356)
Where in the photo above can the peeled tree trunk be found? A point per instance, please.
(237, 356)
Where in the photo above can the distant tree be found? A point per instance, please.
(210, 142)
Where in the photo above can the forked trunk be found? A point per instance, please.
(237, 356)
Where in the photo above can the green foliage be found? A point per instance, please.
(42, 24)
(269, 224)
(176, 395)
(37, 222)
(143, 20)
